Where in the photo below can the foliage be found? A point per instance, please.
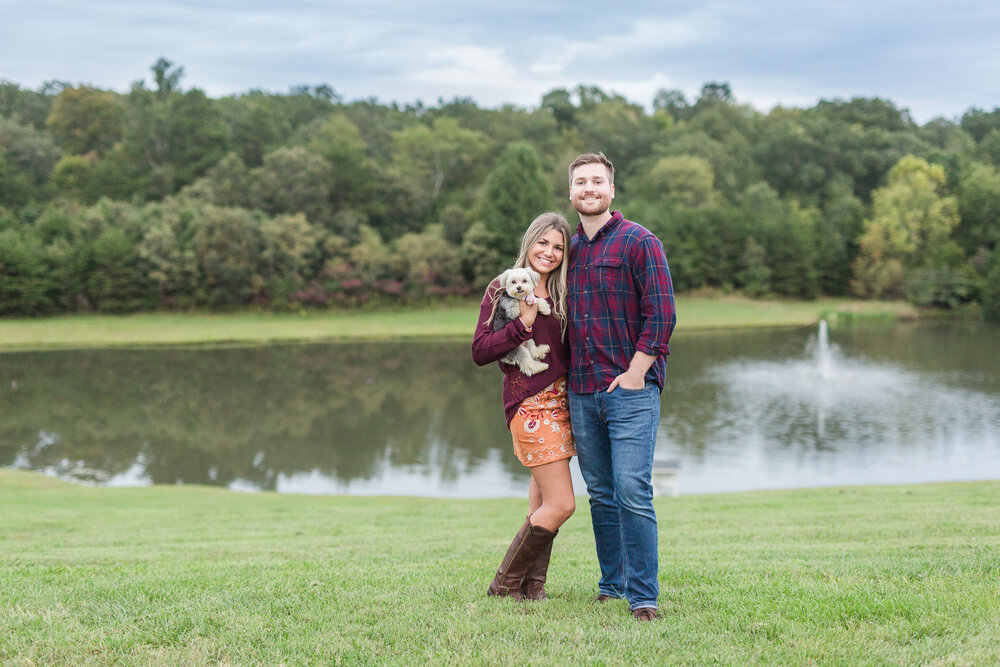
(844, 196)
(30, 153)
(991, 289)
(684, 180)
(911, 225)
(85, 119)
(23, 276)
(516, 191)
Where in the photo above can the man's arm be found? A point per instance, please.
(635, 376)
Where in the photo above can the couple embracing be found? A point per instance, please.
(612, 312)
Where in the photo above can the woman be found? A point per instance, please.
(536, 407)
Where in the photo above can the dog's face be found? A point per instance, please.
(519, 283)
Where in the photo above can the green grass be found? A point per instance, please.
(453, 320)
(194, 575)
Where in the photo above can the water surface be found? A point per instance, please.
(742, 410)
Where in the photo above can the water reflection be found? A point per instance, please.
(750, 409)
(834, 415)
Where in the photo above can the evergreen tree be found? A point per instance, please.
(517, 190)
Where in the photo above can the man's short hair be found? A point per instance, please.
(593, 158)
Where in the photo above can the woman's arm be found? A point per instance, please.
(488, 345)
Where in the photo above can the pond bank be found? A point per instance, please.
(195, 575)
(454, 320)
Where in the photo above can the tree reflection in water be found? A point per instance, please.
(742, 409)
(249, 416)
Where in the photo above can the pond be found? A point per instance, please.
(746, 409)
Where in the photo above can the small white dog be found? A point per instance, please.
(519, 284)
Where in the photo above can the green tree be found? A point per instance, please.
(685, 180)
(227, 183)
(293, 180)
(433, 159)
(24, 275)
(256, 125)
(980, 123)
(840, 224)
(28, 107)
(620, 130)
(115, 279)
(989, 147)
(171, 137)
(167, 249)
(30, 152)
(792, 160)
(991, 288)
(755, 274)
(353, 174)
(73, 177)
(979, 208)
(370, 258)
(732, 163)
(86, 119)
(516, 191)
(911, 225)
(482, 259)
(428, 264)
(15, 191)
(672, 102)
(290, 255)
(229, 248)
(788, 234)
(559, 104)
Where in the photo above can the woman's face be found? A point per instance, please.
(547, 253)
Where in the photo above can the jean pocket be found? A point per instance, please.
(635, 392)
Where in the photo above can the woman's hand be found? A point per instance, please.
(528, 313)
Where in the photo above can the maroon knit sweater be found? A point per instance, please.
(489, 346)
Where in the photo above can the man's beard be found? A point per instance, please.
(592, 207)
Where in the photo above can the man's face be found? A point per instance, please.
(590, 191)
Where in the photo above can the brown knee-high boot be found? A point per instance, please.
(521, 554)
(533, 586)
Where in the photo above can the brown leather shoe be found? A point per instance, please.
(644, 614)
(533, 586)
(521, 554)
(601, 597)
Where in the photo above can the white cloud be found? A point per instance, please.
(916, 54)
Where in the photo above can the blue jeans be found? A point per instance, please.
(615, 437)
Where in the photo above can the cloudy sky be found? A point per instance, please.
(932, 57)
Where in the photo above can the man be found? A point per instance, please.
(621, 315)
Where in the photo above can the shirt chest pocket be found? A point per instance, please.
(609, 273)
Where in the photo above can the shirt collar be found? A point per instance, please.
(616, 218)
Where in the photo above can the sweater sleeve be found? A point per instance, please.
(488, 345)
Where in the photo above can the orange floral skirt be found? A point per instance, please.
(540, 428)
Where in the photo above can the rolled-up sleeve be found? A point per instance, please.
(658, 312)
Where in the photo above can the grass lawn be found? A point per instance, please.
(453, 320)
(195, 575)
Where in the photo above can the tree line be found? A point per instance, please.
(165, 198)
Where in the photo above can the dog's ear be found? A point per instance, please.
(503, 277)
(534, 276)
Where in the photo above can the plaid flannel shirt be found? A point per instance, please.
(620, 300)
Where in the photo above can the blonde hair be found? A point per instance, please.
(556, 284)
